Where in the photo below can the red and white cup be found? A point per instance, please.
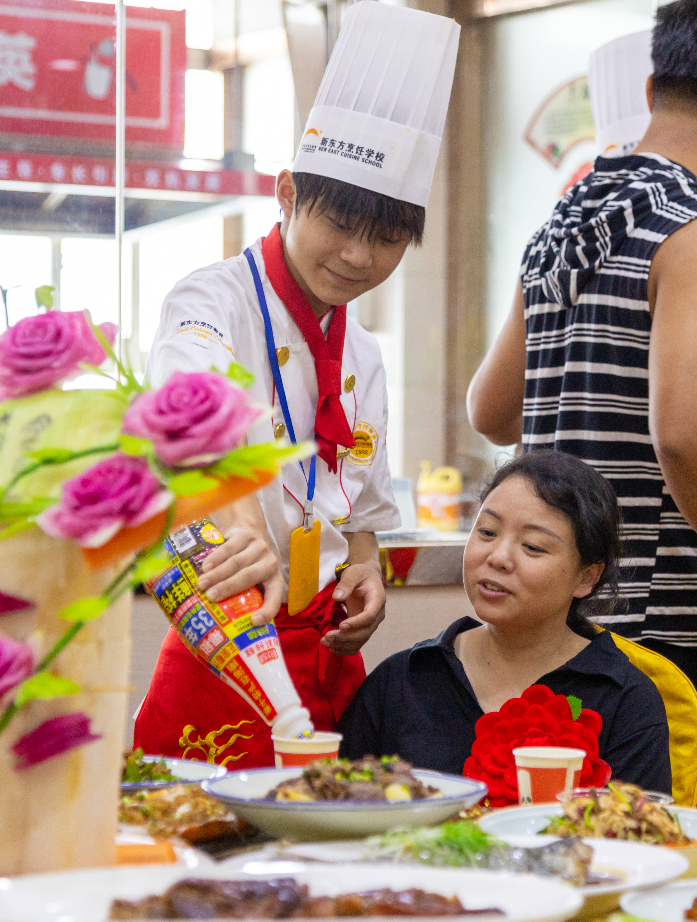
(289, 753)
(544, 771)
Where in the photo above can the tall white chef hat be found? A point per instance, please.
(378, 118)
(617, 84)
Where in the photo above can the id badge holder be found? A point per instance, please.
(303, 567)
(303, 562)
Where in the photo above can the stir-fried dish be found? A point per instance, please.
(283, 898)
(691, 913)
(623, 813)
(136, 770)
(389, 778)
(180, 812)
(463, 844)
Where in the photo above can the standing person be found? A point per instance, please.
(352, 204)
(597, 355)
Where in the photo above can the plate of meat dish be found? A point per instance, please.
(674, 903)
(272, 890)
(339, 799)
(141, 771)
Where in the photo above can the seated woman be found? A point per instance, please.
(542, 556)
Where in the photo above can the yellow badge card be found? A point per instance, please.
(303, 567)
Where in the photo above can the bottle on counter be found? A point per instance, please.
(439, 498)
(221, 635)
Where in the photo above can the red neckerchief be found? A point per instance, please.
(331, 425)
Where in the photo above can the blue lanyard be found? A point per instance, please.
(281, 391)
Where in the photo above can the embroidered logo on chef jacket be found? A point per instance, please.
(210, 745)
(202, 331)
(366, 445)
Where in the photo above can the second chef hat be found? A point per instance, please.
(378, 118)
(617, 85)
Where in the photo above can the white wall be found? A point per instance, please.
(528, 56)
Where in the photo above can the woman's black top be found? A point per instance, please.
(419, 704)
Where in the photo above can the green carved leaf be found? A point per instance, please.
(191, 482)
(16, 528)
(44, 296)
(246, 461)
(45, 686)
(239, 374)
(575, 705)
(10, 512)
(52, 455)
(85, 609)
(150, 567)
(132, 445)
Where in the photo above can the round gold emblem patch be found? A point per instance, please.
(366, 445)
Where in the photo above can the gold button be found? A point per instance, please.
(279, 431)
(343, 452)
(349, 383)
(282, 354)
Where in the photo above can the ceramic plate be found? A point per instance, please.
(85, 896)
(184, 769)
(526, 821)
(245, 792)
(637, 865)
(664, 904)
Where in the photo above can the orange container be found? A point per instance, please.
(439, 498)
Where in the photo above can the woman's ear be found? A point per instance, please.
(588, 580)
(285, 193)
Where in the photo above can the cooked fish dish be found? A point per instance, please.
(464, 844)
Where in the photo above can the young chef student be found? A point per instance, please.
(352, 204)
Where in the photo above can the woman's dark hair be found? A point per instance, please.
(361, 210)
(674, 53)
(590, 504)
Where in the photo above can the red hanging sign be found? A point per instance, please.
(57, 71)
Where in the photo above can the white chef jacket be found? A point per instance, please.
(212, 317)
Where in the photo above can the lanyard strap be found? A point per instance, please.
(280, 389)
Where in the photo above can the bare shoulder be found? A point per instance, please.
(673, 266)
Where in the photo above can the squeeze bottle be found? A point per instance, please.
(221, 635)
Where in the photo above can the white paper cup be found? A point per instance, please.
(544, 771)
(291, 752)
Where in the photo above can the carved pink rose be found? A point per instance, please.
(16, 663)
(53, 737)
(41, 351)
(193, 418)
(119, 491)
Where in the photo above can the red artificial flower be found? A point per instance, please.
(537, 718)
(53, 737)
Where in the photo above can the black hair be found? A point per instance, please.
(361, 210)
(674, 53)
(589, 502)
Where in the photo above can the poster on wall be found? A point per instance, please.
(563, 120)
(57, 71)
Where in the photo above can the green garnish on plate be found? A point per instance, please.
(136, 770)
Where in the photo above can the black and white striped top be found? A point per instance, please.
(585, 283)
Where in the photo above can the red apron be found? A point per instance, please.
(190, 713)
